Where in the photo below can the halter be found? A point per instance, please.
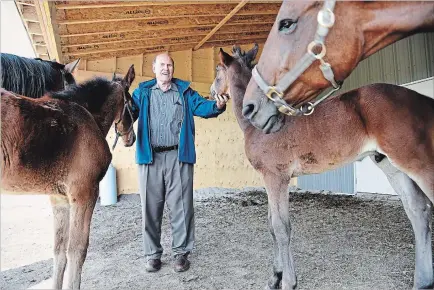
(326, 20)
(127, 107)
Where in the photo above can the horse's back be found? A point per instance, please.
(44, 140)
(400, 120)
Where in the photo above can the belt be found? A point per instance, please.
(158, 149)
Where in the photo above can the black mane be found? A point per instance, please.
(91, 94)
(30, 77)
(243, 58)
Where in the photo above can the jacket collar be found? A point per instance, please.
(182, 85)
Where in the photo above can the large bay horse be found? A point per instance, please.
(391, 124)
(34, 77)
(55, 145)
(317, 44)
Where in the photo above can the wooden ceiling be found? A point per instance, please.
(92, 30)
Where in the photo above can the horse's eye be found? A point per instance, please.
(287, 25)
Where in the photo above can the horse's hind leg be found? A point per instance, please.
(278, 203)
(60, 206)
(419, 210)
(82, 200)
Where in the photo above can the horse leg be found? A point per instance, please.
(82, 200)
(419, 211)
(278, 203)
(276, 278)
(60, 206)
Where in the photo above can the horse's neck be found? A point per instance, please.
(392, 21)
(238, 86)
(104, 119)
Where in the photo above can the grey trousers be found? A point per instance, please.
(168, 181)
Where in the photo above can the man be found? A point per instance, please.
(166, 155)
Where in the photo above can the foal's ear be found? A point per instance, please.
(225, 58)
(129, 77)
(70, 67)
(251, 54)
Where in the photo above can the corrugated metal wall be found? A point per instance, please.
(406, 61)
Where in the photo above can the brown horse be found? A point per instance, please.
(391, 124)
(314, 45)
(56, 145)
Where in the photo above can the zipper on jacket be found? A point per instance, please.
(149, 127)
(182, 120)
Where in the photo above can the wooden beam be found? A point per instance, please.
(140, 42)
(163, 23)
(102, 21)
(41, 49)
(44, 37)
(38, 39)
(141, 65)
(155, 49)
(85, 38)
(26, 25)
(34, 28)
(29, 14)
(27, 3)
(101, 15)
(221, 23)
(105, 4)
(47, 12)
(114, 36)
(154, 42)
(190, 56)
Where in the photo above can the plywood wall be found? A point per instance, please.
(221, 160)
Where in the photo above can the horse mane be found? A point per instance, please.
(243, 58)
(91, 94)
(28, 77)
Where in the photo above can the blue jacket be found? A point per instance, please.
(193, 105)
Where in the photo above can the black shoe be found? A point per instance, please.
(181, 264)
(153, 265)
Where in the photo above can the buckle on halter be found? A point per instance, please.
(319, 55)
(287, 110)
(307, 109)
(271, 91)
(326, 18)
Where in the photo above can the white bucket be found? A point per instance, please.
(107, 187)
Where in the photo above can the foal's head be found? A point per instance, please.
(107, 101)
(125, 117)
(235, 70)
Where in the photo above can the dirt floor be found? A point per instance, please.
(339, 242)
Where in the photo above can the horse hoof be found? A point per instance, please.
(271, 287)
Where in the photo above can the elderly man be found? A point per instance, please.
(165, 156)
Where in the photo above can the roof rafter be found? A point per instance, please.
(221, 23)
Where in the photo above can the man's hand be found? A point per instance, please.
(221, 101)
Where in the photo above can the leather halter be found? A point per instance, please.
(127, 107)
(326, 20)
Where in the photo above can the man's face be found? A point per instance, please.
(163, 68)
